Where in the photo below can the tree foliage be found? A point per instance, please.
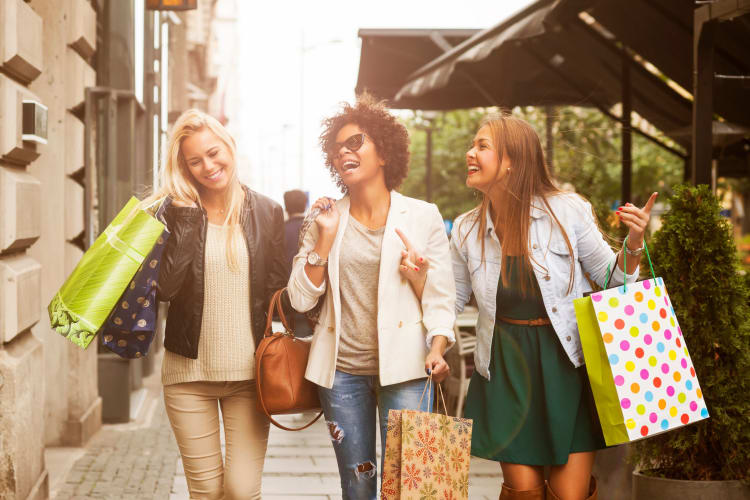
(694, 253)
(452, 134)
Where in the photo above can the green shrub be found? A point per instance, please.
(695, 254)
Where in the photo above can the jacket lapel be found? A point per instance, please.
(390, 254)
(333, 259)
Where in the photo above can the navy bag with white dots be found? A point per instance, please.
(130, 327)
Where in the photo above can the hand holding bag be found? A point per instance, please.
(280, 364)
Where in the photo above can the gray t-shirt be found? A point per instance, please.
(359, 268)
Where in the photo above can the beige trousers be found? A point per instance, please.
(193, 412)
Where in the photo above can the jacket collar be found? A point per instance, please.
(249, 203)
(537, 211)
(537, 208)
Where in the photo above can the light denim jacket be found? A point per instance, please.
(591, 254)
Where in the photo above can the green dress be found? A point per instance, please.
(537, 408)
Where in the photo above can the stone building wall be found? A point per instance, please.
(48, 387)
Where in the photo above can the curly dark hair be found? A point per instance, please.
(389, 135)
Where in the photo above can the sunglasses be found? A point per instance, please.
(353, 144)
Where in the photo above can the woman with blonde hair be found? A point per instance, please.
(523, 252)
(223, 260)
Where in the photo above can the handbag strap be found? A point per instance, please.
(259, 360)
(275, 304)
(625, 265)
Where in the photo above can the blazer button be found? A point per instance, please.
(554, 309)
(547, 278)
(567, 338)
(400, 324)
(330, 329)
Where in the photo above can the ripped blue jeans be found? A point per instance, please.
(349, 409)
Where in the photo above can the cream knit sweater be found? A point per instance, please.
(226, 350)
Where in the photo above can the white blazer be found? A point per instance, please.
(405, 327)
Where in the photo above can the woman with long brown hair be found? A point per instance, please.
(524, 252)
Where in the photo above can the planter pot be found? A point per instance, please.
(651, 488)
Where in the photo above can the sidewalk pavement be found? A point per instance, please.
(140, 460)
(302, 465)
(134, 461)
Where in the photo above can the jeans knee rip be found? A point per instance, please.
(365, 470)
(336, 432)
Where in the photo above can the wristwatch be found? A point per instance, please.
(316, 260)
(635, 253)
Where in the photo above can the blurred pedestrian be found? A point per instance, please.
(295, 202)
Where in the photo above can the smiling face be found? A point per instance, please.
(358, 167)
(483, 163)
(208, 159)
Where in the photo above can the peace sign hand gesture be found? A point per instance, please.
(413, 266)
(636, 219)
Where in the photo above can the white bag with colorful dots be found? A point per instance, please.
(638, 363)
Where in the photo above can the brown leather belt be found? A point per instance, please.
(526, 322)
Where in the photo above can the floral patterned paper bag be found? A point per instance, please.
(428, 457)
(391, 481)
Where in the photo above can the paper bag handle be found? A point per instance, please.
(625, 265)
(428, 383)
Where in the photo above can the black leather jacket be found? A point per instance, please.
(181, 269)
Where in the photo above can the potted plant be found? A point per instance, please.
(696, 256)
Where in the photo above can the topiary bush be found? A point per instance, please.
(695, 254)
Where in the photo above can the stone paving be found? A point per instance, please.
(140, 460)
(126, 461)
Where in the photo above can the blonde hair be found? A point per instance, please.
(177, 181)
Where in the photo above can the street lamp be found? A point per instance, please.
(302, 50)
(427, 119)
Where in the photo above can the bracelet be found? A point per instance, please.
(635, 253)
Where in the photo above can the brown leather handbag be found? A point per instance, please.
(280, 363)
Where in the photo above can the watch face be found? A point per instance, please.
(313, 258)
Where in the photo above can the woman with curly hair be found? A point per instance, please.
(387, 313)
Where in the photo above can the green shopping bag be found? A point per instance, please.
(600, 374)
(84, 301)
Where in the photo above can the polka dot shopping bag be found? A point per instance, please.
(131, 326)
(637, 361)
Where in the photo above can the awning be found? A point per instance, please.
(547, 54)
(389, 56)
(568, 52)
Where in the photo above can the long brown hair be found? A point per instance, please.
(528, 178)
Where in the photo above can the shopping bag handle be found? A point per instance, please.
(625, 265)
(428, 383)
